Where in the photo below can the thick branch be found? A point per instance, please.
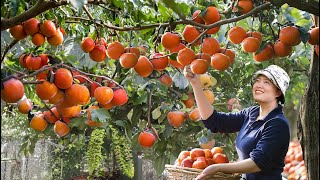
(40, 7)
(310, 6)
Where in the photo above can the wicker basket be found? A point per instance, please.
(182, 173)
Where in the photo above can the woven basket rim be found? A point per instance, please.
(175, 168)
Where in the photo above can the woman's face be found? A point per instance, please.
(264, 91)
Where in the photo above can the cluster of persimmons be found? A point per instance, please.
(294, 168)
(39, 32)
(201, 158)
(59, 87)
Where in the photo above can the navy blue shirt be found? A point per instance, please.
(265, 141)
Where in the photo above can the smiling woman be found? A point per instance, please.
(263, 137)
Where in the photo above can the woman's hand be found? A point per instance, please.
(194, 79)
(208, 172)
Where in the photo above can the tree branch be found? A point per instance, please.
(14, 42)
(310, 6)
(40, 7)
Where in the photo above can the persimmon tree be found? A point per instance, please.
(114, 69)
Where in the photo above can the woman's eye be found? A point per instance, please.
(267, 82)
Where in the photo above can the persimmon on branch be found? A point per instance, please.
(44, 5)
(21, 75)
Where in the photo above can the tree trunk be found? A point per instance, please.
(308, 119)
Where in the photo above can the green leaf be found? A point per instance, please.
(14, 6)
(78, 4)
(180, 81)
(160, 164)
(167, 131)
(120, 123)
(100, 115)
(304, 34)
(78, 122)
(173, 56)
(156, 113)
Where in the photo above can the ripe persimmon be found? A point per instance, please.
(78, 94)
(194, 115)
(255, 34)
(159, 62)
(176, 64)
(120, 97)
(196, 153)
(98, 53)
(44, 59)
(87, 44)
(200, 163)
(229, 52)
(281, 49)
(216, 150)
(204, 56)
(186, 56)
(46, 90)
(12, 90)
(58, 98)
(220, 61)
(176, 118)
(166, 80)
(128, 60)
(17, 32)
(210, 46)
(245, 5)
(143, 67)
(56, 39)
(68, 112)
(103, 95)
(38, 39)
(190, 33)
(189, 103)
(61, 129)
(22, 60)
(134, 50)
(24, 106)
(211, 15)
(101, 41)
(48, 28)
(38, 123)
(170, 40)
(219, 158)
(31, 26)
(196, 17)
(266, 54)
(146, 139)
(51, 118)
(33, 62)
(314, 36)
(115, 50)
(290, 36)
(177, 48)
(237, 34)
(107, 106)
(250, 44)
(199, 66)
(63, 78)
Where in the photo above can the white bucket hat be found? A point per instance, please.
(278, 76)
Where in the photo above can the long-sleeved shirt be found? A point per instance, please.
(265, 141)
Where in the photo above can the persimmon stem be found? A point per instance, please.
(176, 92)
(45, 104)
(32, 82)
(149, 125)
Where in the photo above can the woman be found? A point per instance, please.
(263, 137)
